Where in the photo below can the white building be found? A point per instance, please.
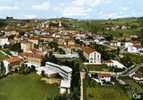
(93, 56)
(47, 71)
(132, 49)
(12, 63)
(117, 64)
(67, 56)
(6, 65)
(64, 71)
(115, 44)
(65, 86)
(128, 44)
(52, 69)
(3, 41)
(104, 77)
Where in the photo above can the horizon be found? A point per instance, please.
(76, 9)
(69, 18)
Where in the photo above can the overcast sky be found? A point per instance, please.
(81, 9)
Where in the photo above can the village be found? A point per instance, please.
(51, 51)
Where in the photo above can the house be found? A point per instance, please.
(46, 38)
(34, 40)
(132, 49)
(137, 76)
(117, 64)
(108, 63)
(32, 58)
(91, 55)
(73, 32)
(115, 44)
(26, 45)
(12, 63)
(104, 77)
(114, 63)
(3, 41)
(128, 44)
(65, 86)
(8, 33)
(36, 31)
(69, 46)
(66, 56)
(133, 46)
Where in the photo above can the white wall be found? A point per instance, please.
(6, 65)
(95, 58)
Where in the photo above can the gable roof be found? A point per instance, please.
(87, 50)
(104, 75)
(14, 60)
(31, 55)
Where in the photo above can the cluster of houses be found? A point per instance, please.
(35, 47)
(130, 45)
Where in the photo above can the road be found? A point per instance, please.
(131, 70)
(81, 85)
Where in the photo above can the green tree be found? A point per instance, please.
(54, 45)
(61, 51)
(15, 47)
(24, 69)
(2, 69)
(109, 36)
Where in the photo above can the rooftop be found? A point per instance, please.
(31, 54)
(87, 50)
(14, 60)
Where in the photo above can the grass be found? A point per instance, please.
(98, 92)
(2, 56)
(98, 68)
(137, 59)
(25, 87)
(133, 85)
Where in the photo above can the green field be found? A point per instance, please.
(2, 56)
(26, 87)
(97, 92)
(98, 68)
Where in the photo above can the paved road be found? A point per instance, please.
(131, 70)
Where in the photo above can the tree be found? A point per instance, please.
(3, 24)
(108, 36)
(15, 47)
(61, 51)
(53, 45)
(126, 60)
(24, 69)
(141, 40)
(2, 69)
(50, 58)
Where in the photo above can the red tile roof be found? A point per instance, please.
(31, 55)
(87, 50)
(104, 74)
(14, 60)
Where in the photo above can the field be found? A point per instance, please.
(2, 56)
(98, 68)
(26, 87)
(98, 92)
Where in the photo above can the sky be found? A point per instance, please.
(80, 9)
